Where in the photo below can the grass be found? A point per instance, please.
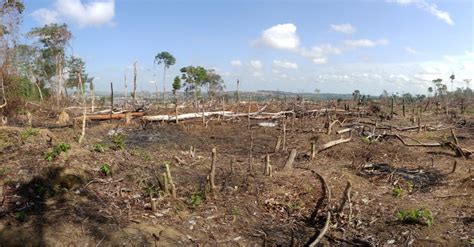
(118, 140)
(420, 216)
(100, 148)
(196, 199)
(398, 192)
(105, 169)
(25, 134)
(57, 150)
(4, 171)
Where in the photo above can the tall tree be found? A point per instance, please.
(11, 18)
(75, 66)
(452, 77)
(214, 83)
(194, 78)
(167, 60)
(54, 38)
(176, 85)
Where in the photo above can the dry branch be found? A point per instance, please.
(333, 143)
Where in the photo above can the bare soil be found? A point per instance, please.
(70, 201)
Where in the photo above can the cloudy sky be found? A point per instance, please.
(336, 46)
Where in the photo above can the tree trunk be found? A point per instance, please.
(164, 83)
(135, 72)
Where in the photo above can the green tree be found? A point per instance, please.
(452, 77)
(167, 60)
(75, 66)
(194, 78)
(176, 85)
(214, 83)
(54, 38)
(356, 96)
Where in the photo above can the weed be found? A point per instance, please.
(4, 171)
(25, 134)
(100, 148)
(366, 139)
(295, 205)
(398, 191)
(57, 150)
(105, 169)
(118, 140)
(417, 216)
(196, 199)
(20, 216)
(235, 211)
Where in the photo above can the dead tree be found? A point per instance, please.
(83, 133)
(278, 144)
(268, 167)
(135, 75)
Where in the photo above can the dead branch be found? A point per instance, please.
(333, 143)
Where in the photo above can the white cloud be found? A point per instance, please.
(321, 60)
(428, 7)
(365, 43)
(410, 50)
(285, 64)
(256, 64)
(344, 28)
(45, 16)
(282, 36)
(236, 63)
(92, 13)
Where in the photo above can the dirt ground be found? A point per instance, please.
(99, 192)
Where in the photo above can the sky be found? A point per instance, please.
(336, 46)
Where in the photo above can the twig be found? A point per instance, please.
(323, 231)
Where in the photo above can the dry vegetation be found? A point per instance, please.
(393, 180)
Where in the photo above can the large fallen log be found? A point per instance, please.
(92, 117)
(185, 116)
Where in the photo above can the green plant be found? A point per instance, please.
(4, 171)
(100, 148)
(57, 150)
(25, 134)
(105, 169)
(196, 199)
(398, 191)
(20, 216)
(366, 139)
(417, 216)
(118, 140)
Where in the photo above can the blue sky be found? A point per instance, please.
(336, 46)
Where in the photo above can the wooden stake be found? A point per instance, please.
(267, 165)
(153, 204)
(212, 174)
(250, 152)
(278, 144)
(170, 180)
(284, 134)
(313, 150)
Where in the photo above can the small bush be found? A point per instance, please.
(118, 140)
(25, 134)
(105, 169)
(57, 150)
(398, 191)
(196, 199)
(100, 148)
(421, 216)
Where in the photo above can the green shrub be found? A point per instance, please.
(398, 191)
(421, 216)
(196, 199)
(118, 140)
(100, 148)
(25, 134)
(57, 150)
(105, 169)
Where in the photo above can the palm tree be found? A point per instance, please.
(167, 60)
(452, 77)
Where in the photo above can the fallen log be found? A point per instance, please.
(333, 143)
(460, 151)
(168, 118)
(92, 117)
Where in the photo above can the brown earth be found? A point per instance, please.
(70, 201)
